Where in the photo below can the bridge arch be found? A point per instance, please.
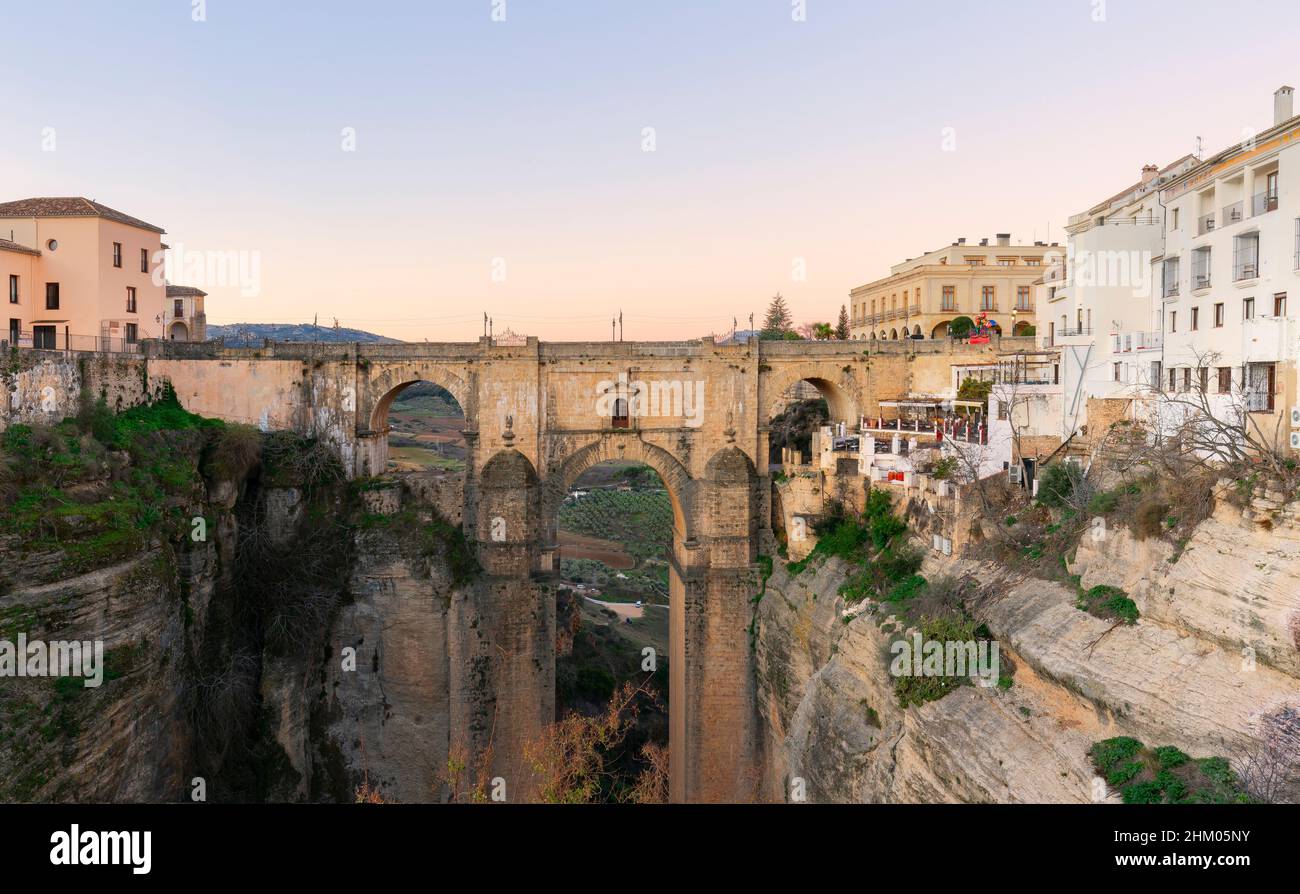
(677, 480)
(391, 381)
(842, 397)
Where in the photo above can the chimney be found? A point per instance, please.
(984, 242)
(1004, 239)
(961, 240)
(1283, 105)
(1149, 173)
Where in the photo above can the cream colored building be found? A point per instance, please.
(80, 275)
(922, 296)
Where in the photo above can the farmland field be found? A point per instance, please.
(614, 528)
(425, 425)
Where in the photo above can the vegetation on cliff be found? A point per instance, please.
(1164, 775)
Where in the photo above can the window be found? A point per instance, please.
(117, 254)
(1173, 223)
(1248, 308)
(13, 289)
(178, 307)
(1173, 321)
(1171, 277)
(1155, 374)
(1187, 378)
(1006, 262)
(1279, 304)
(130, 299)
(1225, 379)
(1196, 319)
(988, 298)
(1022, 298)
(1033, 262)
(1173, 379)
(132, 333)
(949, 298)
(144, 260)
(975, 262)
(1115, 373)
(51, 296)
(1203, 373)
(1245, 257)
(1201, 268)
(1218, 316)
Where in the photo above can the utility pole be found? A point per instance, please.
(620, 325)
(613, 330)
(485, 324)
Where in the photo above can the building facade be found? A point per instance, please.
(81, 275)
(922, 296)
(186, 319)
(1230, 272)
(1099, 303)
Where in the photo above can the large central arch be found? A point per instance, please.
(713, 720)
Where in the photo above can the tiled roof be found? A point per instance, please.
(6, 245)
(73, 206)
(184, 291)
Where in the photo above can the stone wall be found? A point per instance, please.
(45, 387)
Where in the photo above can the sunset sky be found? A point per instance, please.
(519, 147)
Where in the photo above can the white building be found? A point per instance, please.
(1231, 269)
(1100, 304)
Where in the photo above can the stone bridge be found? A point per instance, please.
(538, 415)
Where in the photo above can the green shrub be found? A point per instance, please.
(1149, 519)
(1059, 484)
(1103, 503)
(238, 448)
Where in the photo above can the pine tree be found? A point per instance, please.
(778, 320)
(842, 328)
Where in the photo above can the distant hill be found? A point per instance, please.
(241, 335)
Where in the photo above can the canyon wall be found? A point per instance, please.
(1209, 665)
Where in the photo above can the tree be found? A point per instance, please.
(842, 327)
(823, 331)
(778, 321)
(961, 327)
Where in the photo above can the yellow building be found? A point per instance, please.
(922, 296)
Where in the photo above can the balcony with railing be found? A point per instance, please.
(1234, 213)
(1263, 203)
(1131, 342)
(1205, 224)
(1073, 332)
(1245, 270)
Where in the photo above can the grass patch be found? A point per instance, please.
(1164, 775)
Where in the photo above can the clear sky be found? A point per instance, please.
(500, 166)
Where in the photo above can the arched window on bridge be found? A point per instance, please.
(426, 430)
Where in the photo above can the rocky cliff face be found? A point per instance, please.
(1179, 676)
(270, 630)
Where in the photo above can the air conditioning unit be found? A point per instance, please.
(1295, 440)
(1295, 417)
(938, 543)
(947, 547)
(1013, 474)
